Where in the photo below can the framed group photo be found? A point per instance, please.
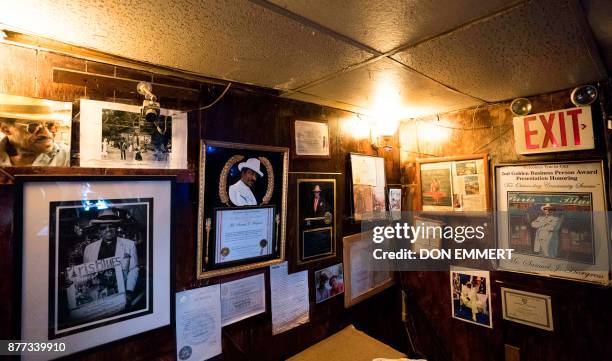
(242, 207)
(96, 258)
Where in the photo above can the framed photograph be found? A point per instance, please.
(454, 183)
(316, 219)
(528, 308)
(395, 201)
(360, 279)
(115, 135)
(427, 240)
(329, 282)
(554, 217)
(471, 296)
(105, 253)
(242, 207)
(369, 184)
(37, 127)
(310, 139)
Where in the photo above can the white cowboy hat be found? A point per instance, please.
(252, 164)
(317, 189)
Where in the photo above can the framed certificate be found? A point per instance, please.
(528, 308)
(310, 139)
(243, 233)
(242, 207)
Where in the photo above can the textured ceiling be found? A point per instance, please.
(530, 49)
(393, 58)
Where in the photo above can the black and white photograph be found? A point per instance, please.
(96, 258)
(316, 218)
(117, 135)
(242, 206)
(101, 264)
(34, 132)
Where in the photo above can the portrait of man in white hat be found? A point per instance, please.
(547, 228)
(240, 193)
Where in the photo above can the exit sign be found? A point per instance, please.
(556, 131)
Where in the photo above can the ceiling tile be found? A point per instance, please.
(234, 40)
(537, 47)
(309, 98)
(386, 87)
(386, 24)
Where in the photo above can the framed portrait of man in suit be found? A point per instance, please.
(316, 219)
(243, 193)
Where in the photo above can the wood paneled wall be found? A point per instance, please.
(243, 115)
(581, 312)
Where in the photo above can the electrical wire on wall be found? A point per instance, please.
(206, 106)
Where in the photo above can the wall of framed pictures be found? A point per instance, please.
(523, 203)
(263, 120)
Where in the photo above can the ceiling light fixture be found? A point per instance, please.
(520, 106)
(583, 95)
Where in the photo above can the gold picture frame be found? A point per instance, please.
(219, 164)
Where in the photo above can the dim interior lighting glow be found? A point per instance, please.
(583, 95)
(434, 131)
(358, 127)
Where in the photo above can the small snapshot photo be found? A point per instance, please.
(471, 296)
(329, 282)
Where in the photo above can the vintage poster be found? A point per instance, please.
(436, 186)
(471, 296)
(553, 216)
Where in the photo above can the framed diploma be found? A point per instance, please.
(554, 217)
(316, 219)
(453, 184)
(361, 280)
(310, 139)
(101, 269)
(528, 308)
(242, 207)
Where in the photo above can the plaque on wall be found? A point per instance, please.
(316, 219)
(107, 252)
(242, 207)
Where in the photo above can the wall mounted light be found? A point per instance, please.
(520, 106)
(583, 95)
(150, 107)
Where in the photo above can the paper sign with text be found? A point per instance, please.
(555, 131)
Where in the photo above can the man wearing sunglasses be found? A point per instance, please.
(30, 143)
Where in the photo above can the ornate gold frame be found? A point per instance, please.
(204, 225)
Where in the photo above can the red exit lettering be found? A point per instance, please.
(549, 122)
